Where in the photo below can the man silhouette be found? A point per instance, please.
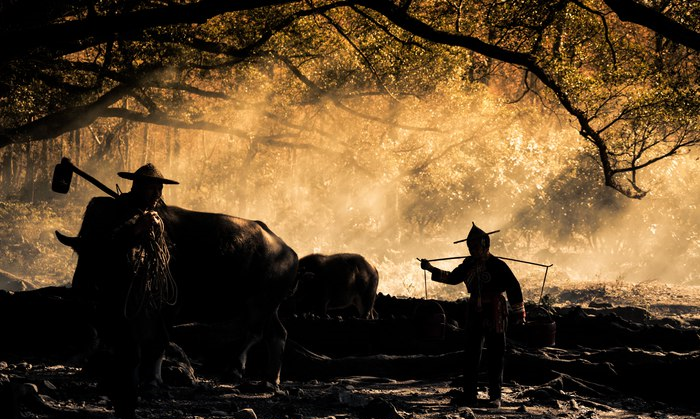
(487, 278)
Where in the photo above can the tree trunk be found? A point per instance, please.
(174, 155)
(169, 149)
(76, 146)
(6, 173)
(146, 149)
(63, 145)
(27, 190)
(127, 154)
(44, 162)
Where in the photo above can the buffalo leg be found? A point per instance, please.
(275, 340)
(362, 307)
(154, 341)
(368, 303)
(150, 368)
(254, 326)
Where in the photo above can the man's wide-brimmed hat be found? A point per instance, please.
(147, 172)
(476, 234)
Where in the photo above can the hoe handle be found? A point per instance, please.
(66, 161)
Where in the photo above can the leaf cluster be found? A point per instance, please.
(631, 89)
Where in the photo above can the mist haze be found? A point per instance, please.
(338, 182)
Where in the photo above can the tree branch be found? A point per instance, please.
(632, 11)
(76, 35)
(164, 120)
(527, 61)
(63, 121)
(320, 92)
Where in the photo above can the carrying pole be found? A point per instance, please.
(500, 257)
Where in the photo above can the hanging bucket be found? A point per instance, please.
(541, 329)
(430, 320)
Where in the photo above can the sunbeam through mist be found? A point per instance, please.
(398, 192)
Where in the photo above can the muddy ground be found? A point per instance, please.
(47, 388)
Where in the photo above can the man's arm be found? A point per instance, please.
(133, 230)
(445, 277)
(515, 296)
(98, 221)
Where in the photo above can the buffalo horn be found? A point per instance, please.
(67, 240)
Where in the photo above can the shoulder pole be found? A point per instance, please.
(500, 257)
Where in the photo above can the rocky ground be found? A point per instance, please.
(60, 391)
(46, 389)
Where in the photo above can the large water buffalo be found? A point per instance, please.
(336, 281)
(226, 269)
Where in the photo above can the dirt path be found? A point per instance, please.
(45, 390)
(64, 392)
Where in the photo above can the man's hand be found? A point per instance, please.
(425, 265)
(517, 318)
(517, 314)
(147, 222)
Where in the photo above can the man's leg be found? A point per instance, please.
(472, 358)
(154, 340)
(496, 344)
(121, 378)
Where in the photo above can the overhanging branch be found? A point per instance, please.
(76, 35)
(63, 121)
(632, 11)
(164, 120)
(527, 61)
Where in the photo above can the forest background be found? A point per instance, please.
(346, 129)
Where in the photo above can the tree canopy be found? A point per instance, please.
(623, 72)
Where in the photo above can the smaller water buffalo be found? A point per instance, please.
(336, 281)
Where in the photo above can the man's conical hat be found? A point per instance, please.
(147, 172)
(476, 234)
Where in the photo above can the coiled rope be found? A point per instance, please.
(151, 266)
